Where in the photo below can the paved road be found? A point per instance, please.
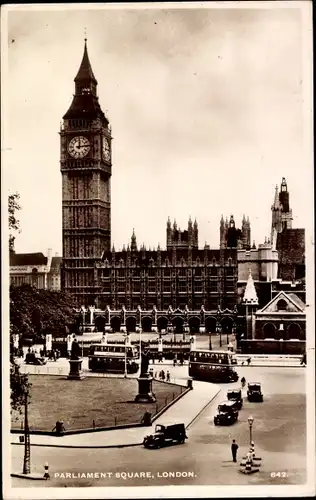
(205, 459)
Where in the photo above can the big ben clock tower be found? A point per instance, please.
(85, 164)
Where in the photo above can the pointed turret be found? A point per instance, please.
(85, 102)
(276, 203)
(85, 73)
(133, 242)
(250, 295)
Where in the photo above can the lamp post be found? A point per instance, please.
(210, 340)
(125, 359)
(27, 446)
(220, 335)
(250, 422)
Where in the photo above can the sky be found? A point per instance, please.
(207, 108)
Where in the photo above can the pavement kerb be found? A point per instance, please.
(83, 446)
(204, 408)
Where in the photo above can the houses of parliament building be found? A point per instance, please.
(181, 275)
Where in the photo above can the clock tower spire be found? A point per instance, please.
(86, 168)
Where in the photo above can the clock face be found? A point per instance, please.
(79, 146)
(106, 149)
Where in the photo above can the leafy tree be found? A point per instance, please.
(35, 312)
(14, 223)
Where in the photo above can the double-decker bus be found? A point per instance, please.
(212, 366)
(113, 358)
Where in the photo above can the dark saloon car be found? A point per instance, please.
(254, 393)
(165, 435)
(227, 413)
(32, 358)
(235, 395)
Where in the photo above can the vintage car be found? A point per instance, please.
(33, 358)
(254, 393)
(235, 395)
(227, 413)
(165, 435)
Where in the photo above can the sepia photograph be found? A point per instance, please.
(158, 250)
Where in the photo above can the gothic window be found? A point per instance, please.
(106, 263)
(198, 286)
(230, 271)
(167, 272)
(183, 262)
(198, 272)
(136, 286)
(121, 286)
(182, 272)
(120, 273)
(167, 286)
(182, 287)
(151, 272)
(198, 262)
(230, 262)
(152, 286)
(136, 272)
(212, 271)
(167, 263)
(212, 287)
(213, 261)
(121, 262)
(151, 262)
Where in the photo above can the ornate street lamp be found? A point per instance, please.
(210, 340)
(250, 422)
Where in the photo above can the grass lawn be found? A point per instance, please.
(107, 401)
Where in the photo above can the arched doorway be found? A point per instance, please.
(269, 331)
(210, 324)
(146, 324)
(115, 323)
(162, 323)
(194, 324)
(177, 323)
(227, 324)
(294, 331)
(131, 324)
(99, 323)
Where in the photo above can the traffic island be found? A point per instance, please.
(94, 404)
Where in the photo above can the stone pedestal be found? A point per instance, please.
(145, 394)
(75, 372)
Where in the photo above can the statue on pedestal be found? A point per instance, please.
(75, 362)
(144, 364)
(75, 350)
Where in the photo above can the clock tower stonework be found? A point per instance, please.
(86, 167)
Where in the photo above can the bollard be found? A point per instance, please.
(93, 424)
(115, 421)
(46, 473)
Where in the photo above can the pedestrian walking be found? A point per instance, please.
(248, 361)
(234, 448)
(243, 381)
(168, 376)
(163, 375)
(175, 361)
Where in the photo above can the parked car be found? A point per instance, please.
(254, 393)
(165, 435)
(32, 358)
(235, 395)
(227, 413)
